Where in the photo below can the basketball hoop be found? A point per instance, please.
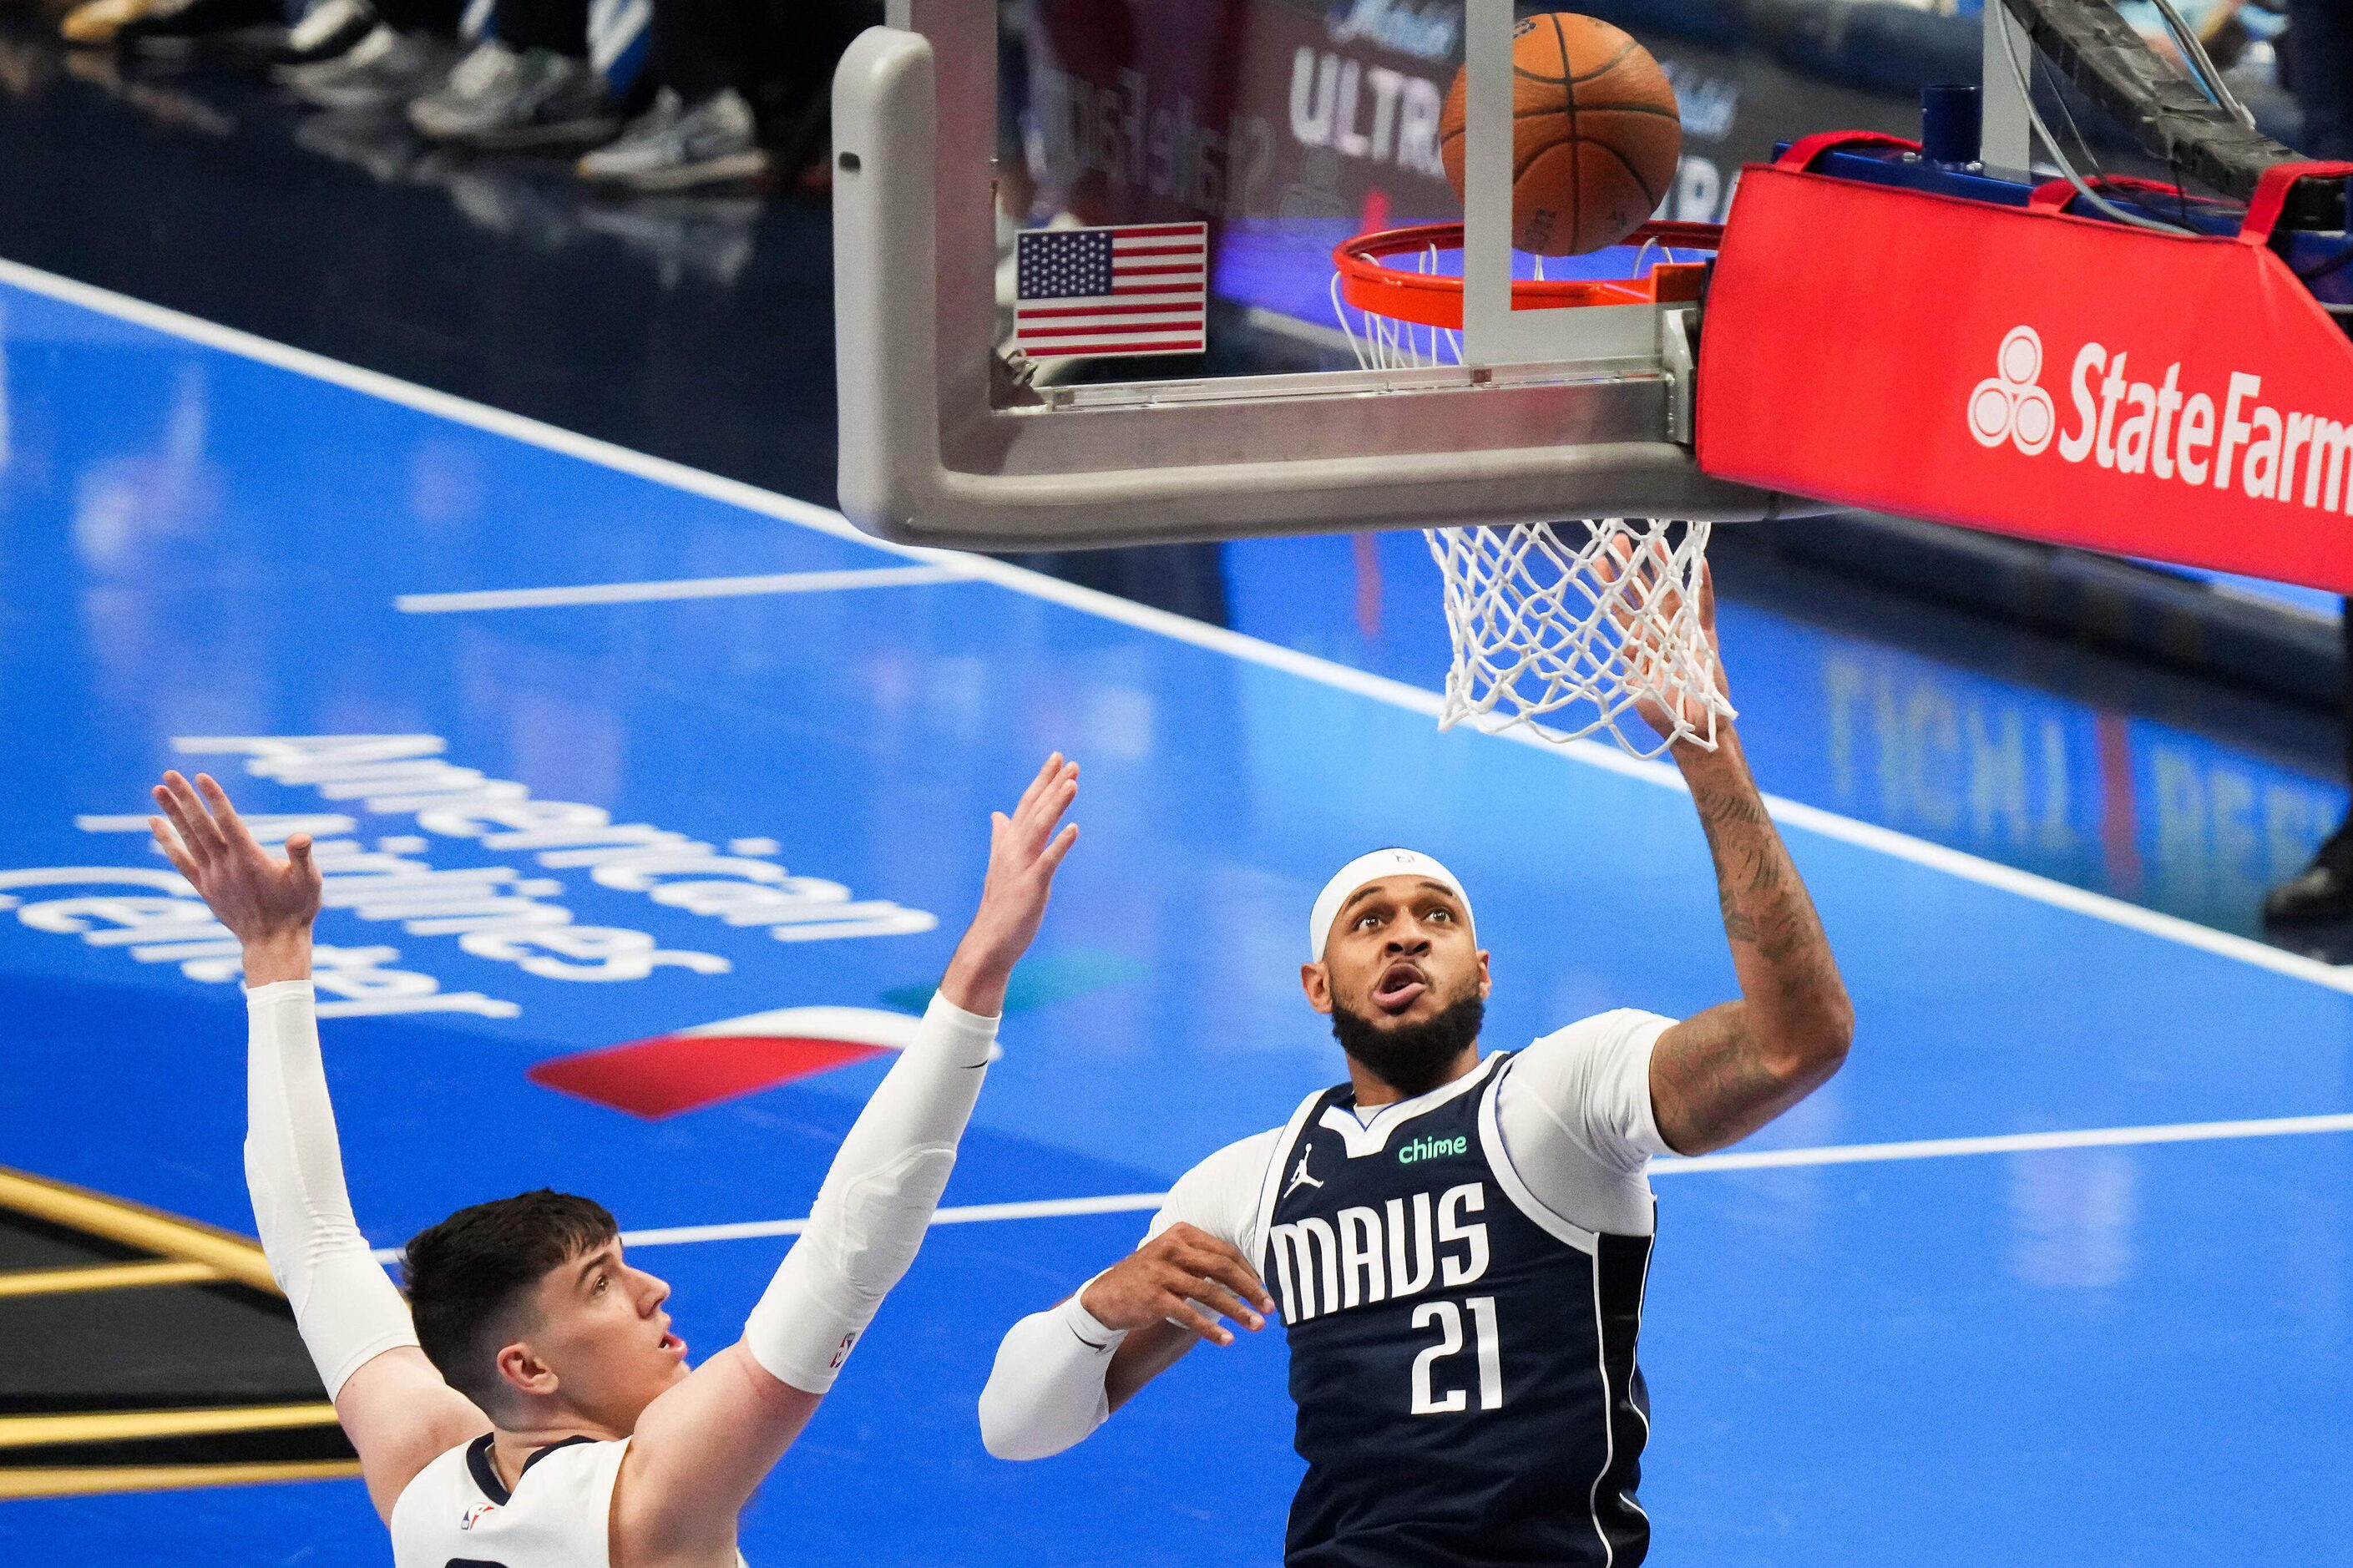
(1569, 628)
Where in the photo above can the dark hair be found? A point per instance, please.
(466, 1275)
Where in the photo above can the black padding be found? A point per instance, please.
(2164, 110)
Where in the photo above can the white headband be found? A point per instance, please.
(1372, 868)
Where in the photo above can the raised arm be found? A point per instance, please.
(393, 1405)
(1722, 1073)
(703, 1448)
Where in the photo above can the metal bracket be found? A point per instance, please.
(1679, 353)
(929, 456)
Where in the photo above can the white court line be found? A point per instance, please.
(969, 1214)
(2006, 1144)
(676, 588)
(1739, 1160)
(1234, 644)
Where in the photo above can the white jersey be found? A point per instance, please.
(458, 1513)
(457, 1510)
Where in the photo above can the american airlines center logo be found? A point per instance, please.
(2164, 427)
(2009, 406)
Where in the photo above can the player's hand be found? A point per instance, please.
(1658, 657)
(1172, 1278)
(1024, 851)
(268, 902)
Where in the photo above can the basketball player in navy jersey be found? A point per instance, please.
(1459, 1246)
(527, 1406)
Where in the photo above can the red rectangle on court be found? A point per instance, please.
(2031, 373)
(672, 1073)
(1092, 293)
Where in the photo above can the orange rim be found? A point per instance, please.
(1431, 300)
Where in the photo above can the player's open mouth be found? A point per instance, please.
(672, 1345)
(1399, 986)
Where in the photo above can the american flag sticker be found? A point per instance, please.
(1140, 289)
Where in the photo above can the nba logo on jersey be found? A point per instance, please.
(473, 1515)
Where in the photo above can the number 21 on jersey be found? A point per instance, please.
(1429, 1370)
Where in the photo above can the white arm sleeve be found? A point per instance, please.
(877, 1200)
(344, 1305)
(1046, 1391)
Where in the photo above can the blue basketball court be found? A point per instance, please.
(2058, 1271)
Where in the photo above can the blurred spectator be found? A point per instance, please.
(744, 86)
(2317, 59)
(745, 83)
(326, 29)
(98, 21)
(528, 85)
(177, 27)
(402, 48)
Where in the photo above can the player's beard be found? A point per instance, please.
(1411, 1059)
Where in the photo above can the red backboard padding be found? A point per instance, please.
(2030, 373)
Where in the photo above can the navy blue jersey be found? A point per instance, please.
(1462, 1359)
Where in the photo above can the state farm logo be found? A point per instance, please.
(2164, 427)
(2009, 405)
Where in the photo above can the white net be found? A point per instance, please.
(1571, 628)
(1579, 628)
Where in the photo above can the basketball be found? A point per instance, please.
(1595, 134)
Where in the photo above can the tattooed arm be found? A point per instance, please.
(1722, 1074)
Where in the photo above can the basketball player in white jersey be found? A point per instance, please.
(1460, 1246)
(534, 1411)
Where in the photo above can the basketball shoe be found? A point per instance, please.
(672, 147)
(382, 70)
(206, 26)
(503, 98)
(327, 29)
(2322, 891)
(98, 21)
